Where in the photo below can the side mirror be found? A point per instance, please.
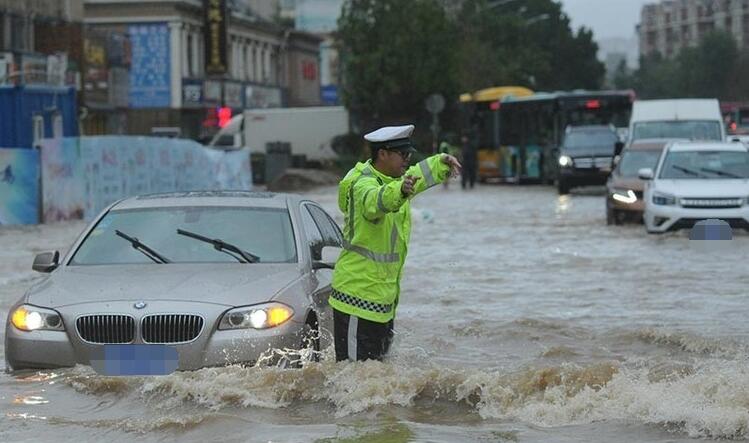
(645, 174)
(46, 262)
(618, 148)
(322, 265)
(329, 256)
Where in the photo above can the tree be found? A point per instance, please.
(525, 42)
(714, 68)
(395, 54)
(623, 78)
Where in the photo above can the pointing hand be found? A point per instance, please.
(409, 185)
(454, 164)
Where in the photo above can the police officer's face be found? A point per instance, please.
(397, 162)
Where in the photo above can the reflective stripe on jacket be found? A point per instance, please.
(376, 231)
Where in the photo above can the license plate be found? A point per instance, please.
(135, 359)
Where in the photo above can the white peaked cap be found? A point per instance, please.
(389, 133)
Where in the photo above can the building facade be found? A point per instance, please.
(40, 41)
(319, 17)
(179, 66)
(671, 25)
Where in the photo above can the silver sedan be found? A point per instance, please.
(204, 278)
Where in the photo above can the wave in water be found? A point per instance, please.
(709, 400)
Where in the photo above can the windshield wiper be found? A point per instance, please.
(220, 245)
(686, 170)
(145, 250)
(720, 173)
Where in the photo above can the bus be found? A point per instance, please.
(481, 121)
(532, 128)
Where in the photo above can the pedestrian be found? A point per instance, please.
(375, 200)
(470, 162)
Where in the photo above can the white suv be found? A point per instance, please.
(695, 181)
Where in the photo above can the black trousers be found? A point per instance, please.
(359, 339)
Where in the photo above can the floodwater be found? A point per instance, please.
(524, 318)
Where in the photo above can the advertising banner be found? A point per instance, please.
(84, 175)
(150, 66)
(19, 186)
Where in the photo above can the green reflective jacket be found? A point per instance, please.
(377, 227)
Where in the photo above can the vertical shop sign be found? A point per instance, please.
(215, 37)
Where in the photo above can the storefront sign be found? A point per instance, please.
(215, 36)
(329, 94)
(233, 96)
(192, 93)
(262, 97)
(212, 93)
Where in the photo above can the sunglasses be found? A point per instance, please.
(405, 155)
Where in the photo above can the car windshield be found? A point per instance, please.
(705, 165)
(590, 139)
(688, 129)
(266, 233)
(633, 161)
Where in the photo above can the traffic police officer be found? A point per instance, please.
(374, 198)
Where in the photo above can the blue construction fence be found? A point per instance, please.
(21, 107)
(77, 177)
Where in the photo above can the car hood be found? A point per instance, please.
(704, 188)
(230, 285)
(634, 184)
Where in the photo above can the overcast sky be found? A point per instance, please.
(607, 18)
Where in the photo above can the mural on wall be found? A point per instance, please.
(19, 186)
(90, 173)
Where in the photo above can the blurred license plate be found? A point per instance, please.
(135, 359)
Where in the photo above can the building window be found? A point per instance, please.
(19, 34)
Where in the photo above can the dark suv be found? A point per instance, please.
(585, 156)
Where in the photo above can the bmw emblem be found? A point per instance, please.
(139, 305)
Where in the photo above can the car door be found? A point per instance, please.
(321, 231)
(316, 241)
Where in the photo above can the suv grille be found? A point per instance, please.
(171, 328)
(106, 328)
(711, 202)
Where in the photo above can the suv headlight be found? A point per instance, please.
(565, 161)
(32, 318)
(663, 199)
(264, 316)
(624, 195)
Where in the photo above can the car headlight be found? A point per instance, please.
(32, 318)
(624, 196)
(565, 161)
(663, 199)
(263, 316)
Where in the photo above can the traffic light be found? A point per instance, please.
(224, 115)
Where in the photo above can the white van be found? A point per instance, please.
(690, 119)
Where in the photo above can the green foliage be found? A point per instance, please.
(396, 53)
(714, 68)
